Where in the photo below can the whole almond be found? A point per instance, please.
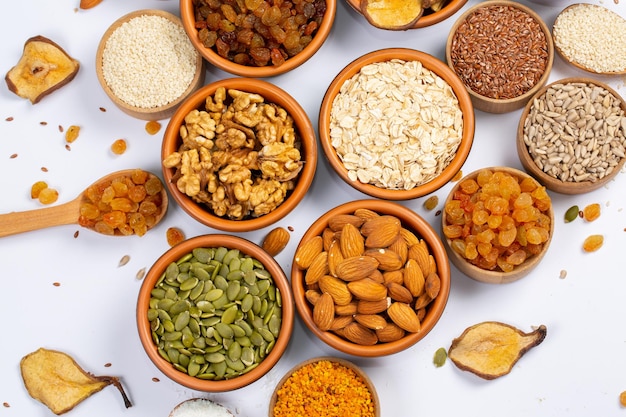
(337, 289)
(396, 276)
(409, 237)
(349, 309)
(367, 289)
(432, 285)
(351, 241)
(276, 240)
(324, 312)
(404, 316)
(373, 307)
(88, 4)
(388, 260)
(419, 253)
(341, 321)
(400, 247)
(307, 251)
(377, 276)
(399, 292)
(422, 301)
(312, 296)
(317, 269)
(390, 333)
(337, 221)
(356, 267)
(334, 257)
(413, 278)
(328, 237)
(365, 213)
(371, 321)
(359, 334)
(381, 231)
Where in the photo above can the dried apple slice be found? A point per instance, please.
(56, 380)
(392, 14)
(490, 349)
(43, 68)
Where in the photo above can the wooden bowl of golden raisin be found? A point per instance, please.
(497, 224)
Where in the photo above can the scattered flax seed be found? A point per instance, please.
(290, 228)
(107, 365)
(141, 273)
(56, 284)
(9, 119)
(43, 123)
(438, 213)
(13, 156)
(6, 404)
(76, 234)
(60, 128)
(44, 169)
(125, 259)
(155, 379)
(563, 274)
(103, 110)
(68, 147)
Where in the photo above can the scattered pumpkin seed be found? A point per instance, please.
(571, 214)
(440, 357)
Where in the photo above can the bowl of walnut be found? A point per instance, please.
(396, 124)
(239, 154)
(497, 224)
(370, 278)
(258, 39)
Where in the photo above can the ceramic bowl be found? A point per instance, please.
(156, 275)
(437, 264)
(484, 102)
(308, 152)
(315, 366)
(429, 17)
(158, 111)
(188, 17)
(194, 406)
(554, 180)
(422, 188)
(495, 275)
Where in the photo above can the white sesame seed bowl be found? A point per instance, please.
(144, 49)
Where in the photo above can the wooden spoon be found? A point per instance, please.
(62, 214)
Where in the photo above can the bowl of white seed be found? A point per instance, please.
(572, 135)
(147, 65)
(396, 124)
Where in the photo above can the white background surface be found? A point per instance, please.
(579, 370)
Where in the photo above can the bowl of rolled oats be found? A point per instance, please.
(144, 49)
(239, 154)
(396, 124)
(572, 135)
(503, 52)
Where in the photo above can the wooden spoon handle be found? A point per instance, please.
(26, 221)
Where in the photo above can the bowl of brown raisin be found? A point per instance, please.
(260, 39)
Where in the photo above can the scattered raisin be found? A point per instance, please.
(72, 133)
(174, 236)
(153, 127)
(591, 212)
(457, 176)
(118, 147)
(431, 202)
(36, 188)
(593, 243)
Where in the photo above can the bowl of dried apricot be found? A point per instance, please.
(497, 224)
(370, 278)
(215, 313)
(396, 124)
(503, 51)
(239, 154)
(582, 147)
(317, 382)
(260, 39)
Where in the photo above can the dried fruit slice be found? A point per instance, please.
(491, 349)
(55, 379)
(43, 68)
(392, 14)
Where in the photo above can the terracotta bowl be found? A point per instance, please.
(497, 275)
(439, 264)
(359, 373)
(160, 112)
(484, 102)
(308, 151)
(552, 180)
(156, 275)
(573, 58)
(210, 54)
(429, 17)
(429, 62)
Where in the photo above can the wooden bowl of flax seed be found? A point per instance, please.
(503, 52)
(144, 49)
(572, 135)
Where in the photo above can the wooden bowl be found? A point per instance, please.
(271, 94)
(429, 17)
(593, 43)
(420, 228)
(189, 22)
(339, 362)
(156, 274)
(553, 181)
(483, 102)
(429, 62)
(158, 112)
(495, 276)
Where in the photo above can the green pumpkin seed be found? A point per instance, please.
(169, 326)
(571, 214)
(220, 282)
(203, 255)
(183, 360)
(197, 291)
(201, 274)
(153, 314)
(233, 290)
(215, 357)
(224, 330)
(247, 355)
(163, 354)
(182, 320)
(158, 293)
(193, 369)
(266, 334)
(214, 294)
(230, 314)
(249, 277)
(179, 306)
(234, 351)
(171, 272)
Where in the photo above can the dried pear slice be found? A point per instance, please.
(43, 68)
(56, 380)
(392, 14)
(490, 349)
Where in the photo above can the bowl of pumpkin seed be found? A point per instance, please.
(215, 313)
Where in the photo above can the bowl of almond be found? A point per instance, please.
(370, 278)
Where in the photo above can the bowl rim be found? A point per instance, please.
(341, 361)
(480, 101)
(176, 252)
(165, 110)
(437, 249)
(433, 64)
(483, 275)
(550, 182)
(271, 93)
(188, 20)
